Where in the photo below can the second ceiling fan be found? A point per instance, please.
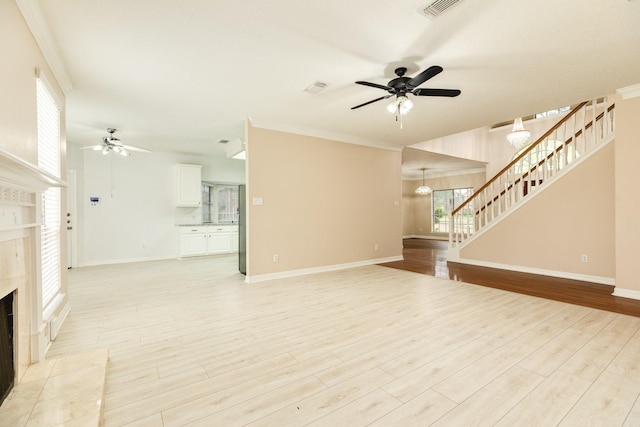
(112, 143)
(401, 86)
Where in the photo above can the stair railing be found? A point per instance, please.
(580, 131)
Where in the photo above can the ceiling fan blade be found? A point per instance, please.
(376, 85)
(437, 92)
(371, 102)
(93, 147)
(424, 76)
(132, 148)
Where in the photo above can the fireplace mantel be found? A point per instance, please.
(22, 174)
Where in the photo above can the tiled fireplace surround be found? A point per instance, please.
(15, 277)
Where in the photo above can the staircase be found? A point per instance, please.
(582, 131)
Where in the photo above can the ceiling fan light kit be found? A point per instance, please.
(401, 86)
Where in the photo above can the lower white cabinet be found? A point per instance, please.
(207, 240)
(219, 241)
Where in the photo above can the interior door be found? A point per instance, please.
(70, 219)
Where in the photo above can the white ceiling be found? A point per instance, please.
(179, 76)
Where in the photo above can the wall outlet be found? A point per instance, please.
(584, 258)
(276, 258)
(376, 247)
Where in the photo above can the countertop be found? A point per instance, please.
(202, 224)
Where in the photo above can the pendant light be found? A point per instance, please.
(423, 189)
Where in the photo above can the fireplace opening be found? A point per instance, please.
(7, 372)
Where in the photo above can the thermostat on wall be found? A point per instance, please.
(94, 200)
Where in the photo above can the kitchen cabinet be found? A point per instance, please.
(207, 240)
(193, 241)
(219, 240)
(188, 185)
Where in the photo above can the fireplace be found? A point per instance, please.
(24, 326)
(7, 371)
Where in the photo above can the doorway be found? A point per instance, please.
(72, 207)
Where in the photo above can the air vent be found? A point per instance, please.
(438, 7)
(223, 141)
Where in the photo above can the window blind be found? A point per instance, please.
(49, 160)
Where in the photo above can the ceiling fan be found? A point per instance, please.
(111, 143)
(401, 86)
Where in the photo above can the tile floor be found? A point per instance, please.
(59, 392)
(190, 344)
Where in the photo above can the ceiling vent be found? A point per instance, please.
(438, 7)
(223, 141)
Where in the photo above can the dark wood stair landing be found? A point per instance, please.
(430, 257)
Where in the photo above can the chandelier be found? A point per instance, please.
(423, 189)
(518, 136)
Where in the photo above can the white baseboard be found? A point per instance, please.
(626, 293)
(124, 260)
(323, 269)
(532, 270)
(56, 322)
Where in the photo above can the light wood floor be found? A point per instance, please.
(191, 344)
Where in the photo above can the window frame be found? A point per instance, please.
(49, 123)
(450, 205)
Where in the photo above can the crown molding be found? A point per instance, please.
(318, 133)
(629, 91)
(32, 14)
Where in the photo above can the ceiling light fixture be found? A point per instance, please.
(236, 150)
(400, 106)
(315, 87)
(518, 136)
(423, 189)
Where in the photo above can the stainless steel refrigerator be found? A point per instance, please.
(242, 229)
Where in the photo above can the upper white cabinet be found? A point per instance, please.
(188, 182)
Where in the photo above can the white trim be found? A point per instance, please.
(629, 91)
(34, 17)
(323, 269)
(539, 271)
(319, 133)
(56, 323)
(24, 175)
(626, 293)
(52, 307)
(124, 260)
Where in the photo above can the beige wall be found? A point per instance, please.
(18, 135)
(416, 219)
(325, 202)
(21, 56)
(575, 216)
(627, 200)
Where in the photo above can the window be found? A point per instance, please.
(48, 113)
(444, 202)
(220, 203)
(552, 112)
